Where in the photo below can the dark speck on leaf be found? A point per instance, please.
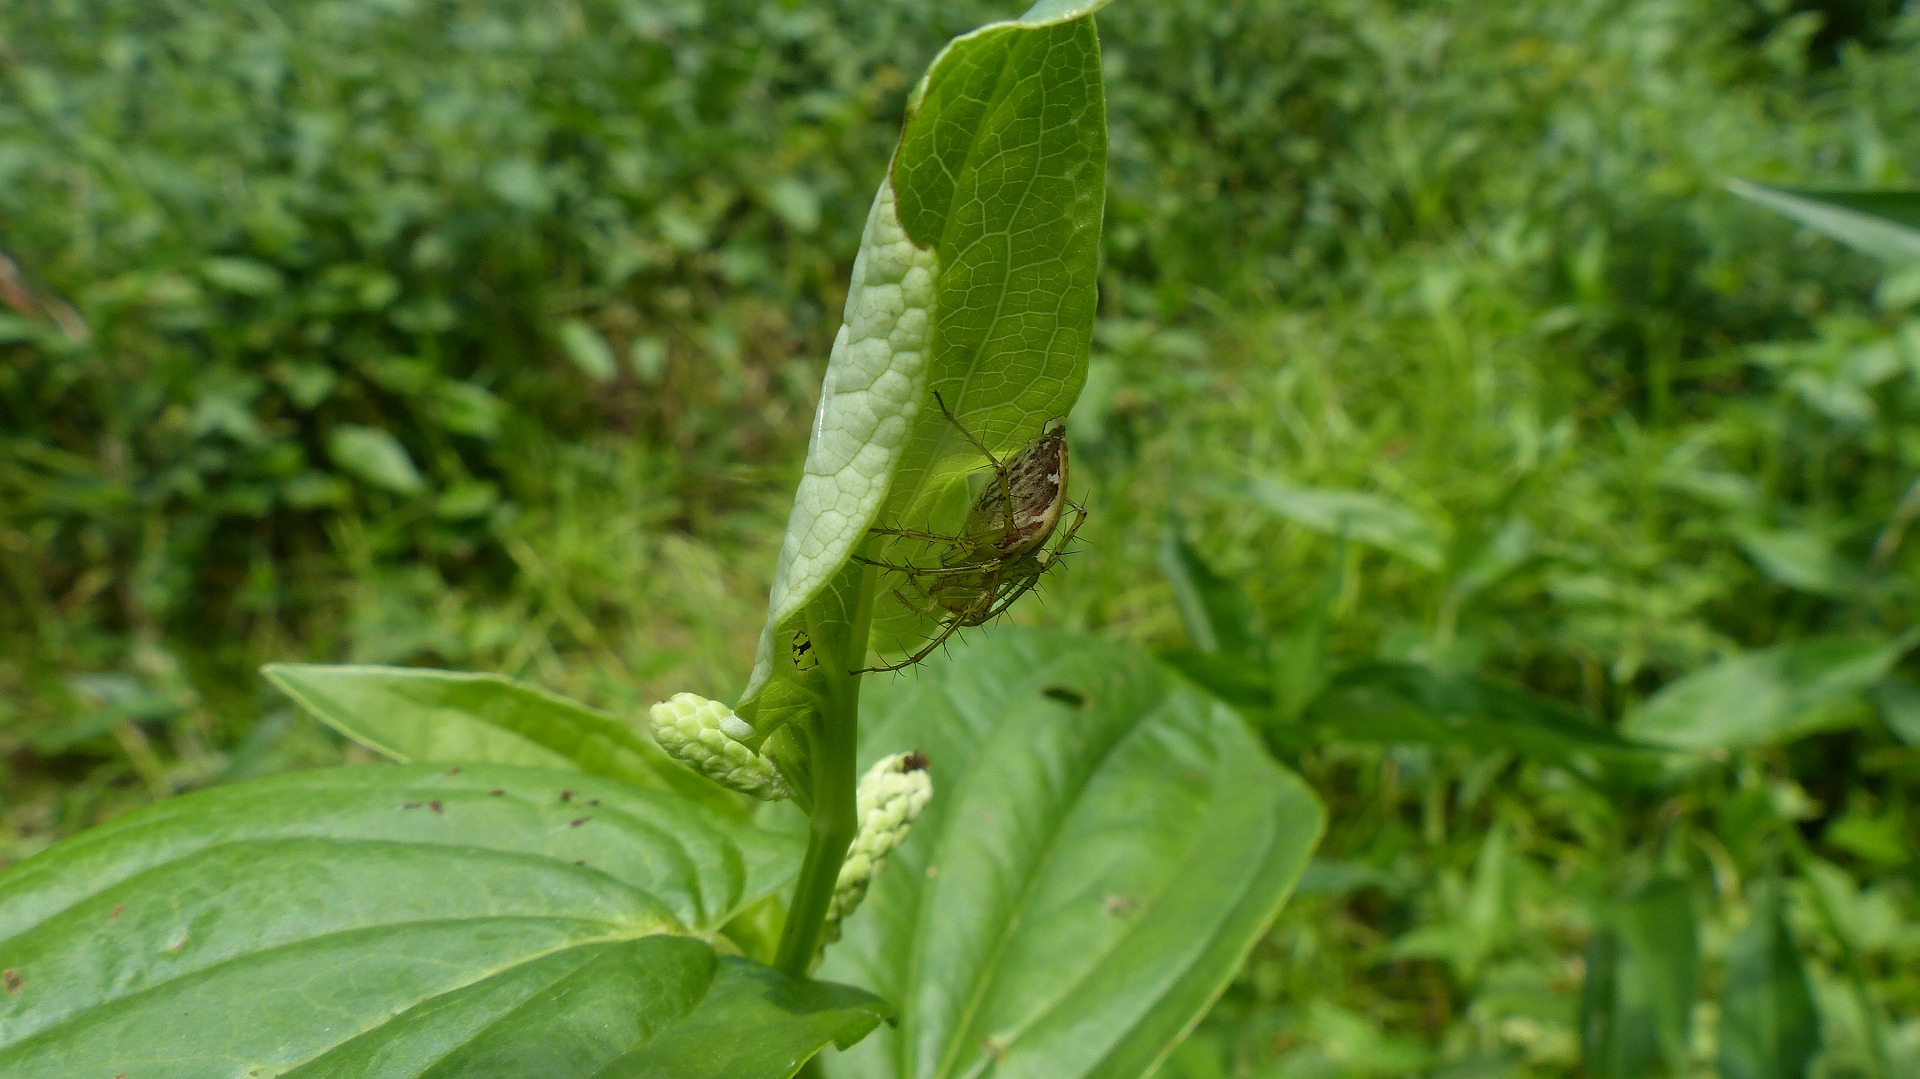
(434, 805)
(496, 792)
(592, 802)
(411, 805)
(578, 821)
(579, 861)
(1066, 695)
(453, 771)
(566, 796)
(11, 981)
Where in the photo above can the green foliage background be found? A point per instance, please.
(486, 335)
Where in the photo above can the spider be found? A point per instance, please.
(1002, 550)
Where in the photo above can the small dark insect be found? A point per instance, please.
(434, 805)
(11, 981)
(1066, 695)
(578, 821)
(496, 792)
(453, 771)
(566, 796)
(1005, 546)
(591, 802)
(915, 761)
(411, 805)
(804, 658)
(579, 861)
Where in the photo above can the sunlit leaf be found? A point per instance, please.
(1103, 847)
(1361, 516)
(587, 350)
(375, 456)
(975, 280)
(415, 714)
(404, 921)
(1885, 224)
(1767, 696)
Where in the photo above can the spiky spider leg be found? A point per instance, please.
(947, 629)
(999, 470)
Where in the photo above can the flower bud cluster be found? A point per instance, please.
(889, 797)
(707, 737)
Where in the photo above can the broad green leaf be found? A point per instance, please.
(1617, 1039)
(1216, 612)
(399, 921)
(1409, 703)
(1103, 847)
(1767, 696)
(1361, 516)
(1768, 1026)
(1643, 971)
(1885, 224)
(1898, 699)
(376, 457)
(587, 350)
(1798, 559)
(975, 279)
(452, 717)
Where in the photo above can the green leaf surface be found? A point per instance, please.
(1361, 516)
(1643, 972)
(1103, 846)
(1406, 703)
(403, 921)
(453, 717)
(1769, 1028)
(376, 457)
(1768, 696)
(1216, 612)
(1885, 224)
(587, 350)
(976, 280)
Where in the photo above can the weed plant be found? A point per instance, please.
(360, 332)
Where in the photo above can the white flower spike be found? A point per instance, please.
(706, 736)
(890, 796)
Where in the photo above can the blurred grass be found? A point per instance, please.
(576, 267)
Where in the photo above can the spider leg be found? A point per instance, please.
(988, 566)
(929, 537)
(968, 435)
(947, 629)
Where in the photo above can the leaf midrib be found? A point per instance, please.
(976, 997)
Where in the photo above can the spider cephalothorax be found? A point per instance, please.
(1005, 546)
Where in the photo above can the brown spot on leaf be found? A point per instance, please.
(579, 861)
(578, 821)
(434, 805)
(114, 914)
(11, 981)
(592, 802)
(453, 771)
(566, 796)
(496, 792)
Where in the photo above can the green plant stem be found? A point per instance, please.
(833, 735)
